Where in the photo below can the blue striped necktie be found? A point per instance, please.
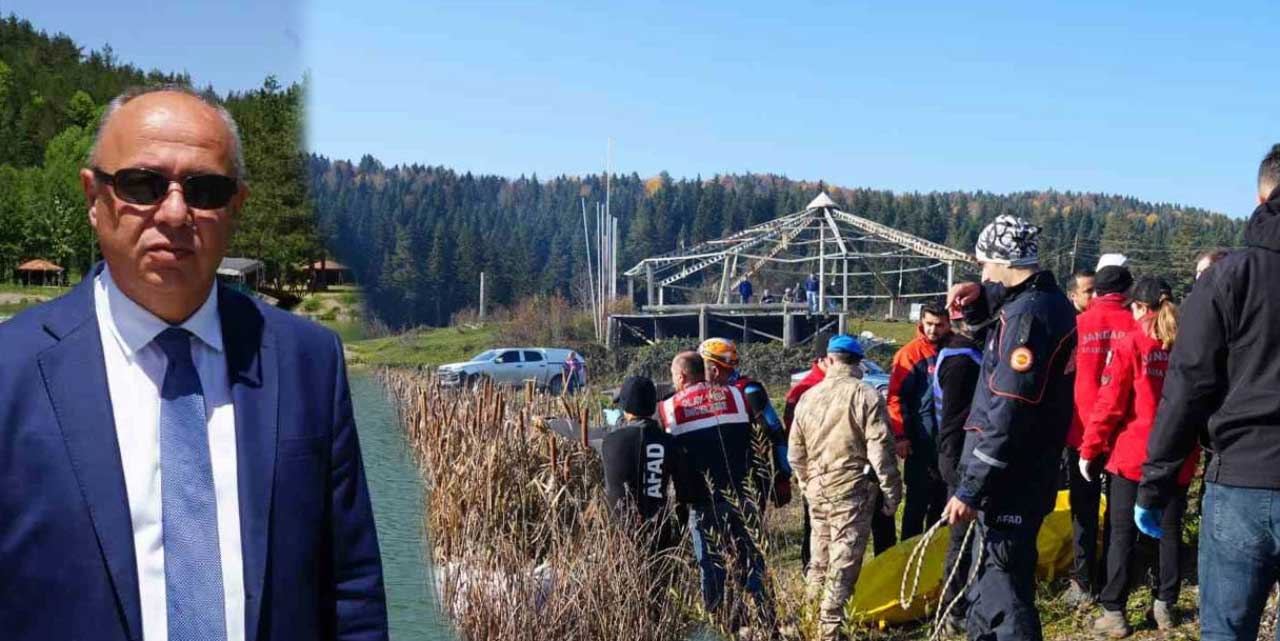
(192, 564)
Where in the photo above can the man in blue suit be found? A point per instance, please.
(177, 461)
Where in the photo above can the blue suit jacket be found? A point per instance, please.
(67, 566)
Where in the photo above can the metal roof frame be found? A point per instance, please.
(839, 236)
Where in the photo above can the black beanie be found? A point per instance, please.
(1112, 279)
(638, 396)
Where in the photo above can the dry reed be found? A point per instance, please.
(524, 543)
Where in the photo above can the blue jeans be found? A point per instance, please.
(727, 524)
(1239, 560)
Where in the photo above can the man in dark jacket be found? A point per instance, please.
(955, 377)
(711, 424)
(1017, 425)
(1224, 372)
(641, 462)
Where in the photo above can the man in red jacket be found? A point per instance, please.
(1107, 320)
(914, 423)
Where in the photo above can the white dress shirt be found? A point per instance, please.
(135, 375)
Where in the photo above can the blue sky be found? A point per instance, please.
(1175, 103)
(231, 44)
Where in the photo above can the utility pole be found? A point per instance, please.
(481, 297)
(591, 281)
(1075, 248)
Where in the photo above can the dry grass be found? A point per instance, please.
(528, 549)
(520, 529)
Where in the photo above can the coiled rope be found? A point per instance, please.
(916, 559)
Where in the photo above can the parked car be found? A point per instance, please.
(871, 373)
(514, 366)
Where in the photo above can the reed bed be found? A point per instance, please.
(523, 540)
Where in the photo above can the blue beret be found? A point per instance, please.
(845, 343)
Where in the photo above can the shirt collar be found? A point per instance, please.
(135, 327)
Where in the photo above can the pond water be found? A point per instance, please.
(396, 491)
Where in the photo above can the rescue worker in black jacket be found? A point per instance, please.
(1224, 372)
(642, 465)
(955, 377)
(1017, 425)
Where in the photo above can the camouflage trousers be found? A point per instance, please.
(841, 529)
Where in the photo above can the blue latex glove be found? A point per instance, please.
(1148, 520)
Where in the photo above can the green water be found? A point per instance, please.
(396, 491)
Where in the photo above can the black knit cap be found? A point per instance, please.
(1149, 291)
(638, 396)
(1112, 279)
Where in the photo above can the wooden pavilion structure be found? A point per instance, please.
(862, 267)
(41, 272)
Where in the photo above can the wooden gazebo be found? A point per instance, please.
(328, 272)
(41, 272)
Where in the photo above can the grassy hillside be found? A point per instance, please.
(422, 348)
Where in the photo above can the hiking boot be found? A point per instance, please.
(1077, 596)
(1112, 624)
(1162, 613)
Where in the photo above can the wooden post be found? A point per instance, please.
(788, 333)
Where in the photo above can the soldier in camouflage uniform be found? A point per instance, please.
(840, 434)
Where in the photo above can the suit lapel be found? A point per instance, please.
(75, 376)
(252, 367)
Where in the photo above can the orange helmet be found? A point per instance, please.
(720, 351)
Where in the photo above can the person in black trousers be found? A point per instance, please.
(954, 378)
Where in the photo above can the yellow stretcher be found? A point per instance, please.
(875, 598)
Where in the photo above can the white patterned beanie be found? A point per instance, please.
(1009, 240)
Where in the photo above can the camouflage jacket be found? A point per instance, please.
(839, 436)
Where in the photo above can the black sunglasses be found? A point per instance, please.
(147, 187)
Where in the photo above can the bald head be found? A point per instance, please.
(687, 369)
(155, 105)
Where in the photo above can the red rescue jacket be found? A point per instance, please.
(1120, 422)
(910, 398)
(814, 377)
(1097, 328)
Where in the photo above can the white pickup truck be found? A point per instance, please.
(513, 366)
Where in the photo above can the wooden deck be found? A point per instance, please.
(788, 323)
